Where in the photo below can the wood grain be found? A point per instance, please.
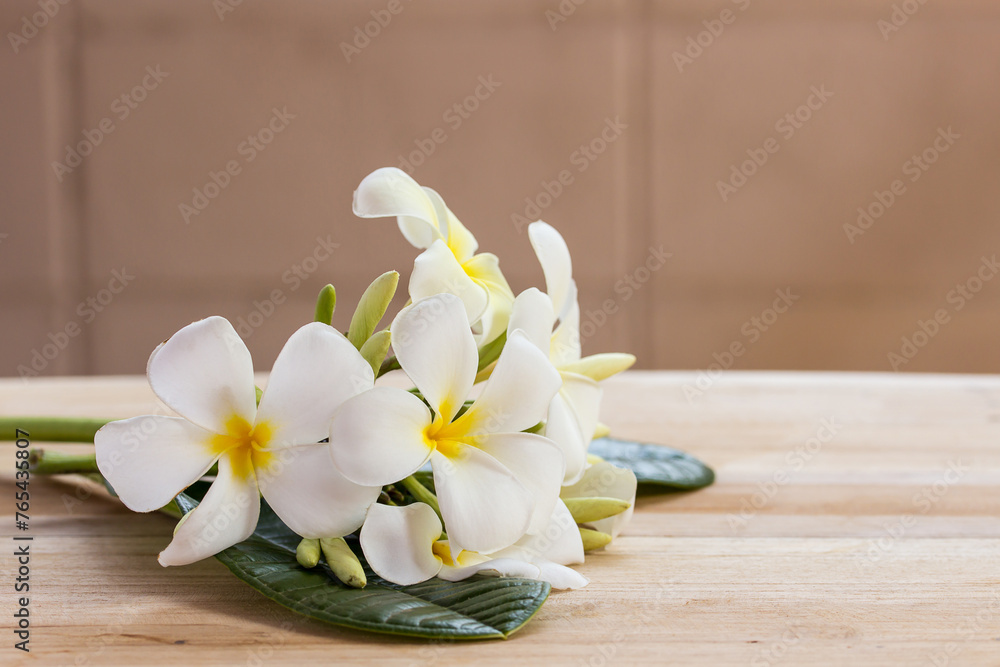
(809, 573)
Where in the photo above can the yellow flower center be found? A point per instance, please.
(446, 438)
(442, 550)
(246, 445)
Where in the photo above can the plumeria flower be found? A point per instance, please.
(493, 482)
(572, 416)
(449, 263)
(205, 374)
(403, 545)
(605, 480)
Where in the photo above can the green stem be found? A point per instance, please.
(51, 429)
(390, 364)
(422, 494)
(46, 462)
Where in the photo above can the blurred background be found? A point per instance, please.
(743, 184)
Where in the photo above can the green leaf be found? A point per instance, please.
(655, 465)
(478, 608)
(372, 307)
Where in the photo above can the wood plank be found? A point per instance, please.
(826, 568)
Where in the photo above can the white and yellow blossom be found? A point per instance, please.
(494, 483)
(204, 373)
(449, 263)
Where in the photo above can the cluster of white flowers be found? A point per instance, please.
(514, 492)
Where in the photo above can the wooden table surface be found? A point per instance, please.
(854, 520)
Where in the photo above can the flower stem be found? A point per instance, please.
(51, 429)
(47, 462)
(422, 494)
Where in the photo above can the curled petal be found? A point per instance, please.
(391, 192)
(517, 395)
(398, 542)
(532, 313)
(563, 428)
(377, 437)
(553, 255)
(484, 269)
(435, 347)
(565, 346)
(559, 541)
(316, 371)
(498, 567)
(609, 481)
(310, 495)
(436, 271)
(204, 372)
(149, 460)
(226, 515)
(485, 507)
(537, 463)
(460, 240)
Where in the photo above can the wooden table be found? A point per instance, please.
(854, 520)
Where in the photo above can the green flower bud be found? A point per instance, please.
(372, 307)
(343, 562)
(586, 510)
(307, 553)
(326, 303)
(593, 539)
(375, 348)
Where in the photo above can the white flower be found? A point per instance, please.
(493, 482)
(403, 545)
(205, 374)
(604, 480)
(572, 416)
(449, 263)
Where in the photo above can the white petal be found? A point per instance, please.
(391, 192)
(377, 437)
(563, 428)
(565, 346)
(460, 240)
(559, 541)
(436, 271)
(435, 347)
(537, 463)
(226, 516)
(149, 460)
(558, 576)
(398, 542)
(583, 396)
(484, 506)
(497, 567)
(601, 366)
(609, 481)
(316, 371)
(484, 269)
(310, 495)
(556, 263)
(532, 313)
(205, 373)
(517, 395)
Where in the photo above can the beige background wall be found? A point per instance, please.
(656, 184)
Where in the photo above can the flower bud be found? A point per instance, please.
(307, 553)
(585, 510)
(343, 562)
(593, 539)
